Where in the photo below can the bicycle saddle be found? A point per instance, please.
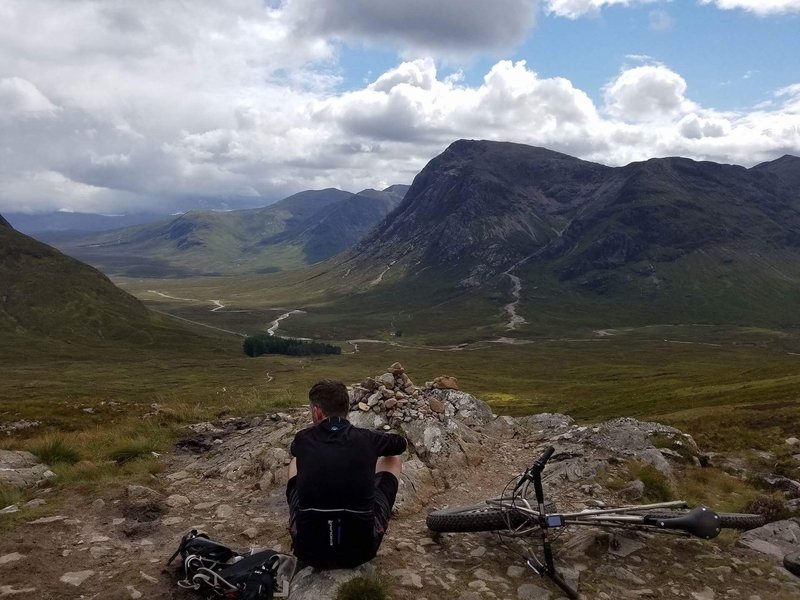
(700, 522)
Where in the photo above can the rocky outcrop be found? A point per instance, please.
(391, 399)
(240, 449)
(227, 478)
(648, 442)
(774, 539)
(22, 469)
(436, 419)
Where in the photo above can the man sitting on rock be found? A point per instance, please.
(342, 483)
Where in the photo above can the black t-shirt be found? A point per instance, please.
(336, 464)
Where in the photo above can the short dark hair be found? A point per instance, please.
(331, 396)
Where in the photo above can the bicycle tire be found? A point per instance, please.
(476, 517)
(739, 521)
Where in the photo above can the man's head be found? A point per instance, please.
(328, 398)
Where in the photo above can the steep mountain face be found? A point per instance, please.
(565, 240)
(342, 224)
(495, 202)
(301, 229)
(45, 294)
(664, 209)
(782, 173)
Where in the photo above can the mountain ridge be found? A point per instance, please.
(504, 230)
(460, 206)
(301, 229)
(46, 295)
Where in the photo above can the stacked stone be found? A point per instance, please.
(394, 394)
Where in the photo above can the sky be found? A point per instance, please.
(119, 107)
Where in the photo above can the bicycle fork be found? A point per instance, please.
(545, 524)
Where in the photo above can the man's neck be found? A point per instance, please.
(333, 423)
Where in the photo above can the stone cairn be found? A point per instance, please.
(395, 396)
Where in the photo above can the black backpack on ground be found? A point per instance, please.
(211, 566)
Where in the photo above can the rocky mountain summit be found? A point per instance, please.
(497, 203)
(667, 238)
(228, 478)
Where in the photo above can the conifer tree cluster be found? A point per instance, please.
(257, 345)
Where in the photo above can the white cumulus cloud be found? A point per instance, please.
(120, 107)
(759, 7)
(572, 9)
(648, 92)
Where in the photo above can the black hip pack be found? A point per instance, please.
(254, 575)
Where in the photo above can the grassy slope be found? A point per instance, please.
(49, 298)
(669, 372)
(731, 388)
(633, 374)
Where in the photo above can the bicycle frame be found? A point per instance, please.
(617, 515)
(539, 518)
(517, 514)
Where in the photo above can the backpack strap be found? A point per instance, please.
(182, 546)
(260, 583)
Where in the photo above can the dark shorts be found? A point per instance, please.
(386, 486)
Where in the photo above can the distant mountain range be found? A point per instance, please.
(75, 223)
(665, 240)
(49, 296)
(302, 229)
(494, 237)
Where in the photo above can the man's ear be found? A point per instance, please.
(316, 414)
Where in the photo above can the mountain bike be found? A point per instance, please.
(513, 515)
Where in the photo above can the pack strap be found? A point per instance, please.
(337, 510)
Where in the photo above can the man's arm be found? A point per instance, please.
(388, 444)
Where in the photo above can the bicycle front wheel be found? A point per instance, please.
(477, 517)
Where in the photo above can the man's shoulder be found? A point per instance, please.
(304, 433)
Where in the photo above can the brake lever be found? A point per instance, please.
(525, 477)
(536, 568)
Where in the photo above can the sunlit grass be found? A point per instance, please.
(715, 488)
(657, 486)
(56, 451)
(10, 495)
(116, 407)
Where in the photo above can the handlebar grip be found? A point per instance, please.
(546, 456)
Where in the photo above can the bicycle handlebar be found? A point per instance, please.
(544, 457)
(537, 466)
